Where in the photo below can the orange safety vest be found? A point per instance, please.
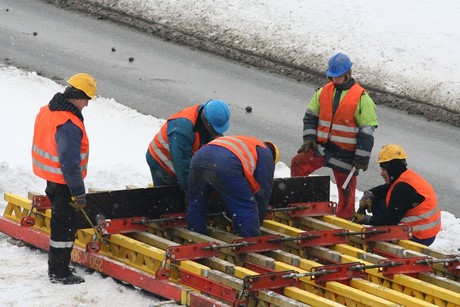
(45, 160)
(244, 148)
(425, 218)
(159, 146)
(339, 128)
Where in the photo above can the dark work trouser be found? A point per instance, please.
(63, 229)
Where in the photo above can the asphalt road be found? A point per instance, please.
(165, 77)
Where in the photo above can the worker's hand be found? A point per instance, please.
(78, 202)
(365, 203)
(361, 218)
(307, 145)
(360, 165)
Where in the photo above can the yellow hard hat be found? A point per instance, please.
(275, 151)
(391, 152)
(85, 83)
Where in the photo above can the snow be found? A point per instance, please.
(393, 40)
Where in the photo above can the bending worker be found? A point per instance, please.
(60, 152)
(170, 151)
(405, 198)
(241, 170)
(338, 129)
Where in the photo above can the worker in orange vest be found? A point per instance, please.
(60, 151)
(338, 129)
(240, 170)
(169, 153)
(406, 197)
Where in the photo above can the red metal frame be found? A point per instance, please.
(338, 272)
(208, 286)
(192, 251)
(116, 226)
(312, 209)
(408, 266)
(113, 268)
(258, 244)
(322, 238)
(387, 233)
(269, 281)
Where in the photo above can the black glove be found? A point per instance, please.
(307, 145)
(78, 202)
(360, 165)
(365, 203)
(361, 218)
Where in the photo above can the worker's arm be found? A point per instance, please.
(68, 138)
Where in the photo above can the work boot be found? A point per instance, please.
(67, 280)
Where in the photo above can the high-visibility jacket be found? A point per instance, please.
(339, 128)
(159, 146)
(425, 218)
(244, 148)
(45, 159)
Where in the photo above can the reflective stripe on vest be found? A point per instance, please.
(339, 128)
(159, 146)
(244, 148)
(45, 160)
(425, 218)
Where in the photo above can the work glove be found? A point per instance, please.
(307, 145)
(78, 202)
(360, 165)
(365, 203)
(361, 218)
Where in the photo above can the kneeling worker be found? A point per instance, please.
(406, 197)
(241, 170)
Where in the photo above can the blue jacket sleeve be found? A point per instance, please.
(68, 138)
(264, 172)
(181, 138)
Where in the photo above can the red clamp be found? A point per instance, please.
(173, 220)
(40, 203)
(454, 265)
(386, 233)
(274, 280)
(208, 286)
(312, 209)
(337, 272)
(192, 251)
(407, 266)
(113, 226)
(322, 238)
(257, 244)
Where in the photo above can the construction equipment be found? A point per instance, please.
(305, 256)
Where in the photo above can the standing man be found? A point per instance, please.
(241, 170)
(170, 151)
(60, 152)
(338, 129)
(406, 197)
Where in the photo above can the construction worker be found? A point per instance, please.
(170, 151)
(240, 169)
(60, 152)
(406, 197)
(338, 129)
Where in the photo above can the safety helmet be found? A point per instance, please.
(391, 152)
(217, 114)
(338, 65)
(275, 151)
(84, 83)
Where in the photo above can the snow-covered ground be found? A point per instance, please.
(23, 272)
(404, 47)
(408, 47)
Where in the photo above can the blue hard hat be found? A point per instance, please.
(338, 65)
(217, 114)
